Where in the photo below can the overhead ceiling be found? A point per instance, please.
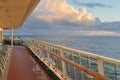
(13, 13)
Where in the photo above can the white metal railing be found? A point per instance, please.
(105, 66)
(5, 55)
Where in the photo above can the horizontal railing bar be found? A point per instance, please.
(107, 59)
(82, 68)
(50, 66)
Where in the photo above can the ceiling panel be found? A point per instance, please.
(13, 13)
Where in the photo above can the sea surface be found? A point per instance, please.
(108, 46)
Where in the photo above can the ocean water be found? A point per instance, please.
(108, 46)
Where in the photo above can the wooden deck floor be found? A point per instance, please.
(22, 66)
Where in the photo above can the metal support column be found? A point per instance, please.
(12, 37)
(1, 35)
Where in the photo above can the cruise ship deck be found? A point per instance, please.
(23, 66)
(27, 59)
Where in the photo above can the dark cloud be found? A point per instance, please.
(94, 5)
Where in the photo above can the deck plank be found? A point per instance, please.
(21, 66)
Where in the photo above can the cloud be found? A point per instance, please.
(93, 5)
(59, 11)
(66, 20)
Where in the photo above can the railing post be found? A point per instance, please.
(116, 71)
(80, 62)
(40, 52)
(100, 66)
(48, 55)
(63, 63)
(74, 67)
(89, 66)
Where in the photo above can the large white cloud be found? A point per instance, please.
(60, 11)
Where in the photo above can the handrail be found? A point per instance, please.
(83, 53)
(92, 73)
(106, 67)
(53, 69)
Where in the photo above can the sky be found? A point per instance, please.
(74, 17)
(106, 10)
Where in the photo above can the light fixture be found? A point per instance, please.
(1, 29)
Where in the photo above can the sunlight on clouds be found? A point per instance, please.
(60, 10)
(103, 33)
(96, 33)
